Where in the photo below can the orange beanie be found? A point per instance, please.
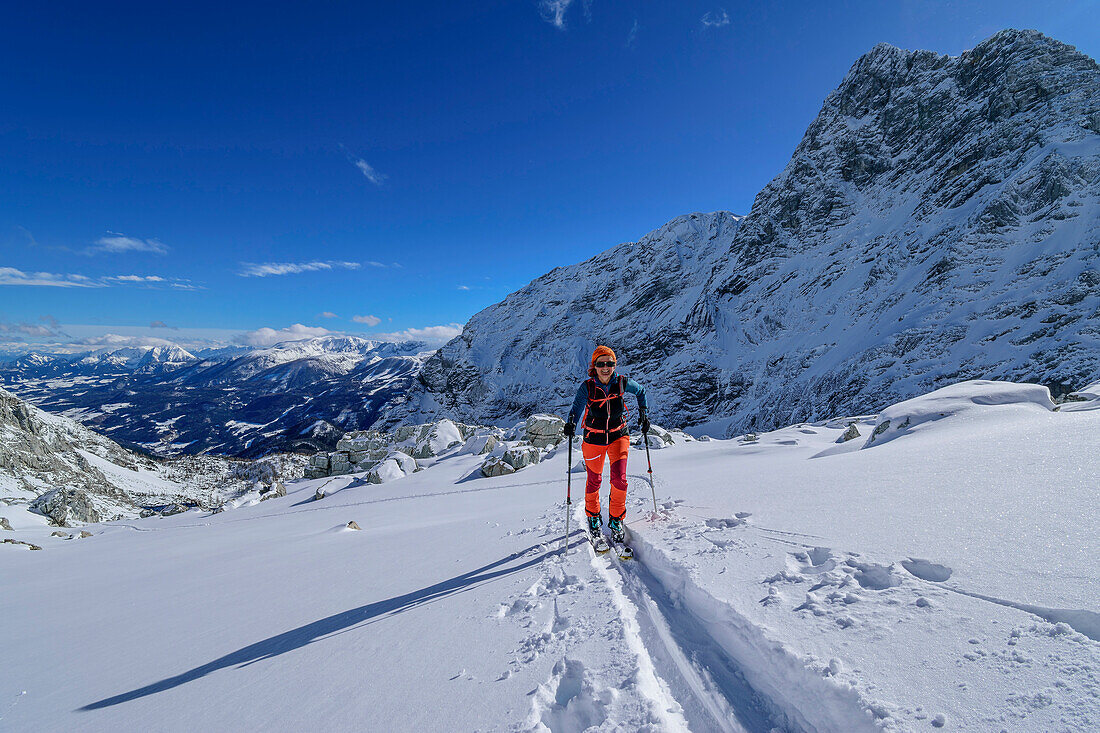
(600, 351)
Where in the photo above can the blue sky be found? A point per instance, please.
(245, 172)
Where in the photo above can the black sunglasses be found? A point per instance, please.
(604, 364)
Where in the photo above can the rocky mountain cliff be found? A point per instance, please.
(939, 221)
(41, 454)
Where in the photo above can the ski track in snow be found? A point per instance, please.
(685, 676)
(710, 690)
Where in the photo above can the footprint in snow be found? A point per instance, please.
(874, 577)
(570, 699)
(814, 561)
(725, 523)
(927, 570)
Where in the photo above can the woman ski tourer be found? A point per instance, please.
(600, 399)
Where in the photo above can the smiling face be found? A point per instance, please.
(605, 367)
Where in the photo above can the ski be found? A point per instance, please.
(622, 549)
(599, 543)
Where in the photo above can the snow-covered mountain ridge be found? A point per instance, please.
(939, 220)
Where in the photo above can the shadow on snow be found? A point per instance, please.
(337, 623)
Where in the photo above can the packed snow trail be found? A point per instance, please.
(711, 692)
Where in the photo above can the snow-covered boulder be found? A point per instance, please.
(484, 441)
(495, 466)
(364, 440)
(67, 505)
(364, 459)
(340, 463)
(165, 511)
(396, 464)
(274, 492)
(543, 431)
(431, 439)
(521, 456)
(850, 434)
(1083, 399)
(956, 399)
(658, 437)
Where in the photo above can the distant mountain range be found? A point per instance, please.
(294, 396)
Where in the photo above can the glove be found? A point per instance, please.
(645, 424)
(570, 430)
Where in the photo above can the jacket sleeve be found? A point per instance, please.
(579, 403)
(636, 389)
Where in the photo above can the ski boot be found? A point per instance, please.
(618, 532)
(618, 537)
(599, 542)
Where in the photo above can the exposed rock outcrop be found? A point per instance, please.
(70, 474)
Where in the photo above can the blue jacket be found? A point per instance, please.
(581, 400)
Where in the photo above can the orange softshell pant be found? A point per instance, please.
(593, 463)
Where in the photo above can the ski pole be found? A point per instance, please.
(568, 495)
(645, 434)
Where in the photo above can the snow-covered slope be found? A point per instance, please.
(939, 220)
(59, 462)
(69, 474)
(945, 577)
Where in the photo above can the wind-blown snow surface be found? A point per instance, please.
(944, 577)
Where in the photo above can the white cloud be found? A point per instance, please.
(293, 268)
(632, 35)
(369, 320)
(48, 326)
(27, 234)
(30, 329)
(78, 339)
(463, 287)
(136, 278)
(553, 11)
(716, 20)
(271, 336)
(327, 314)
(118, 340)
(371, 174)
(115, 242)
(12, 276)
(433, 335)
